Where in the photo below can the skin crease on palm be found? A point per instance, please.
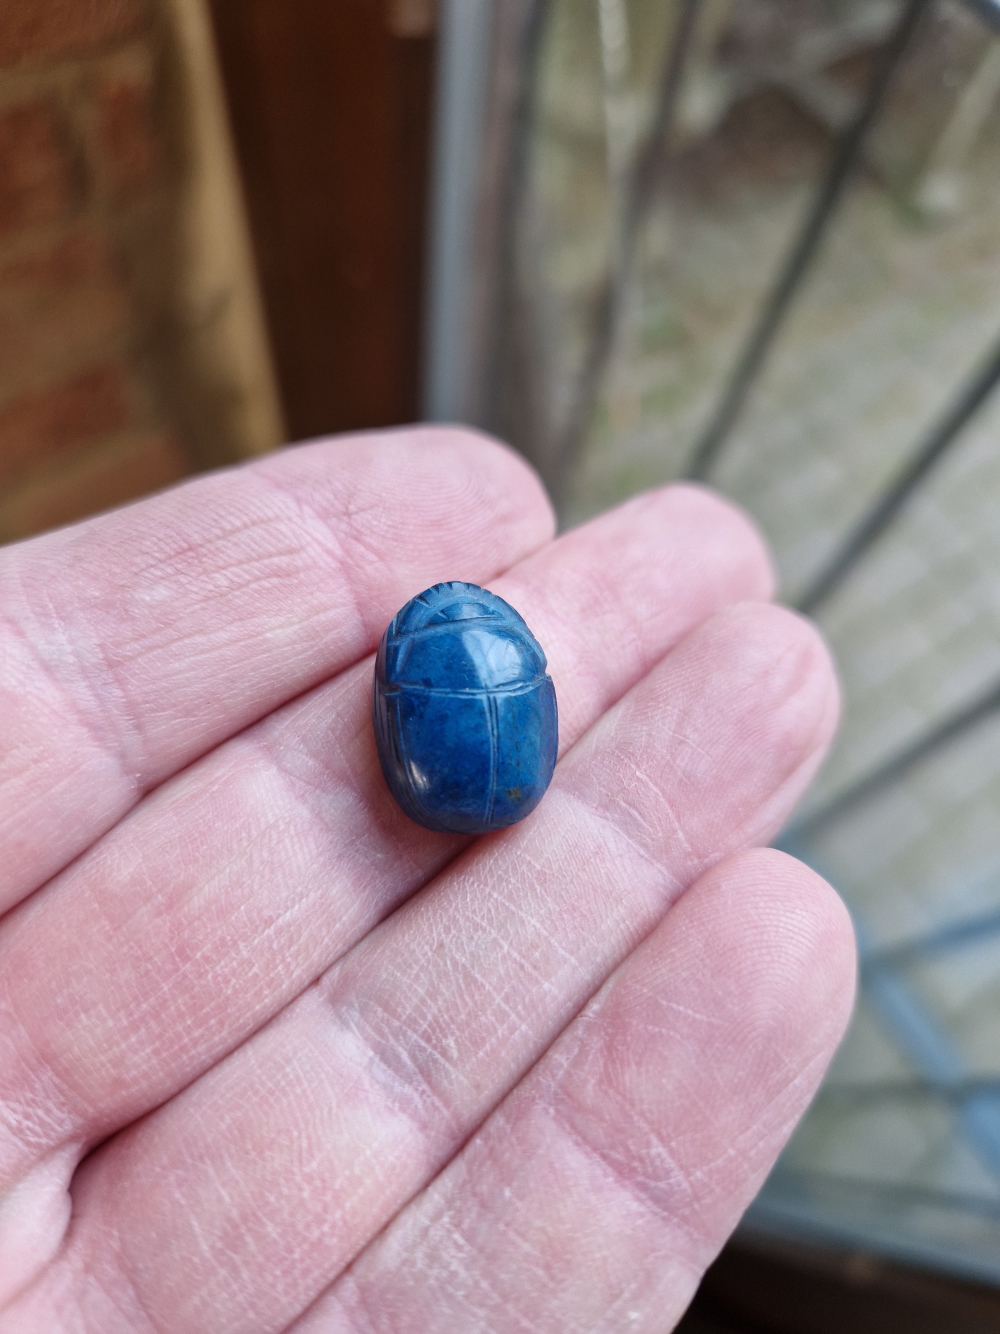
(274, 1058)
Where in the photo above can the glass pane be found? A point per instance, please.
(672, 169)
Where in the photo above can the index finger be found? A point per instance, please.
(135, 642)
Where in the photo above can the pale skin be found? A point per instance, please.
(272, 1057)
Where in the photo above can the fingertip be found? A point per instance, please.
(817, 665)
(712, 1037)
(811, 908)
(493, 462)
(467, 469)
(796, 939)
(784, 651)
(733, 531)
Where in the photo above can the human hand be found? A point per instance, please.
(272, 1056)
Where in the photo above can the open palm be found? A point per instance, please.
(272, 1056)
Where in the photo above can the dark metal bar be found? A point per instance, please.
(653, 153)
(970, 399)
(640, 190)
(988, 11)
(874, 1190)
(906, 1090)
(932, 1052)
(952, 935)
(846, 153)
(939, 735)
(510, 392)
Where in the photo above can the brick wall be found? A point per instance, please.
(100, 400)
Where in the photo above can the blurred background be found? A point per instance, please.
(755, 242)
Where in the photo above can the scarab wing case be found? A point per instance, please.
(464, 714)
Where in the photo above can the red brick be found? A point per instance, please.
(41, 425)
(82, 256)
(126, 148)
(59, 306)
(43, 29)
(36, 175)
(92, 480)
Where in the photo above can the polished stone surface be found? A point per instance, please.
(464, 713)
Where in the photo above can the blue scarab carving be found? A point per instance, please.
(464, 714)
